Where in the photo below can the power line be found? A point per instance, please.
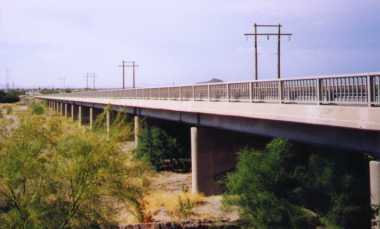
(255, 34)
(133, 65)
(88, 76)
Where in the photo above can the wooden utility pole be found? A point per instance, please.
(123, 66)
(279, 35)
(93, 76)
(87, 76)
(256, 59)
(133, 66)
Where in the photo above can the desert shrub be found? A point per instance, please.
(54, 174)
(37, 108)
(158, 148)
(121, 128)
(287, 186)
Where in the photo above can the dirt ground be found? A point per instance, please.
(210, 208)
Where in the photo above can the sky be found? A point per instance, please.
(43, 42)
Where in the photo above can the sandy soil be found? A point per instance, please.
(210, 209)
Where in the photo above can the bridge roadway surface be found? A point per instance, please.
(349, 127)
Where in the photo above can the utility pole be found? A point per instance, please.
(87, 76)
(123, 66)
(134, 66)
(93, 80)
(256, 58)
(279, 35)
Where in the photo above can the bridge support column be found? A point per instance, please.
(72, 111)
(374, 174)
(65, 110)
(213, 153)
(194, 160)
(136, 129)
(61, 108)
(91, 118)
(108, 122)
(80, 115)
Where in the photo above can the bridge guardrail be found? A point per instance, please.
(356, 89)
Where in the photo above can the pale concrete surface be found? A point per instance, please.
(136, 129)
(357, 117)
(213, 153)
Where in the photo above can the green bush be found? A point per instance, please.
(37, 108)
(286, 186)
(159, 148)
(54, 174)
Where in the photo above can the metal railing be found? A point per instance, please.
(356, 89)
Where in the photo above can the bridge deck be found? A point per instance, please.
(357, 117)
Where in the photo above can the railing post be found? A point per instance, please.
(319, 91)
(369, 90)
(208, 92)
(280, 91)
(228, 92)
(250, 92)
(193, 88)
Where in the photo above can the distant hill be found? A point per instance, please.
(213, 80)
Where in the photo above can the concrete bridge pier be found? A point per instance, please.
(136, 119)
(80, 115)
(374, 174)
(65, 113)
(72, 111)
(61, 108)
(108, 122)
(213, 153)
(91, 118)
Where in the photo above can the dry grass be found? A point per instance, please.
(178, 205)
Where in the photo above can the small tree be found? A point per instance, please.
(292, 186)
(54, 174)
(158, 148)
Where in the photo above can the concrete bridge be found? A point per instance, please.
(341, 111)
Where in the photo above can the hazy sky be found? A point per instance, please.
(181, 41)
